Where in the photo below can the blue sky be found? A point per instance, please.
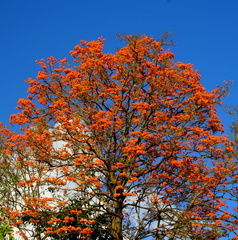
(205, 31)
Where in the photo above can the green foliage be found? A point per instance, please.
(6, 231)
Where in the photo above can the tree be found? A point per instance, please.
(232, 188)
(133, 138)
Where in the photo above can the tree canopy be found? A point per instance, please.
(118, 146)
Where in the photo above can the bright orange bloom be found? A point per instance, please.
(125, 144)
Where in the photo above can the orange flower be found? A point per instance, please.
(116, 195)
(42, 76)
(133, 179)
(62, 203)
(119, 187)
(76, 211)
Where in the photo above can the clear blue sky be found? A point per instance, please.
(205, 31)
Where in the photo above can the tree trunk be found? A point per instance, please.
(117, 221)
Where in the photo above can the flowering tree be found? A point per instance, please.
(120, 146)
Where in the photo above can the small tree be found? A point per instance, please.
(232, 187)
(132, 137)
